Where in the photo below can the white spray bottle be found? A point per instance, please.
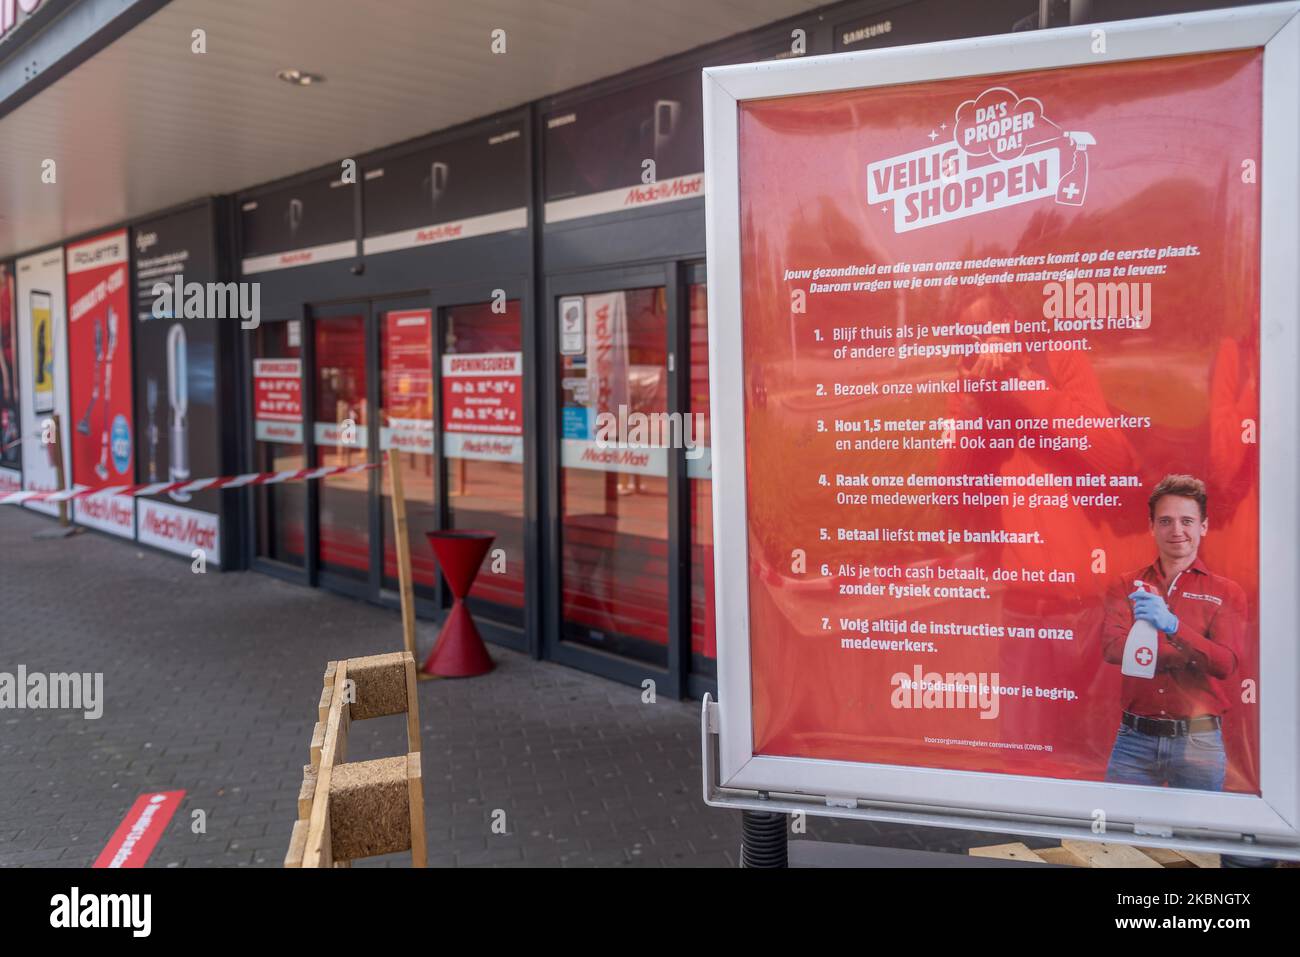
(1142, 645)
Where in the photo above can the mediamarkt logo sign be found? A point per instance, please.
(679, 188)
(1002, 151)
(9, 14)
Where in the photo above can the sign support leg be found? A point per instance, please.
(765, 840)
(59, 478)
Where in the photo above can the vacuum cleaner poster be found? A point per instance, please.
(1002, 334)
(179, 435)
(42, 372)
(99, 367)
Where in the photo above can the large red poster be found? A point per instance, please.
(984, 320)
(99, 372)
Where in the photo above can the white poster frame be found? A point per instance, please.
(1264, 825)
(43, 272)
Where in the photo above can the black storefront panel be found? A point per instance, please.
(311, 222)
(598, 206)
(450, 210)
(178, 434)
(300, 236)
(471, 186)
(927, 21)
(598, 153)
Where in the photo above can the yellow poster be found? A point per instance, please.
(42, 353)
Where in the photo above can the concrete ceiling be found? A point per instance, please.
(146, 123)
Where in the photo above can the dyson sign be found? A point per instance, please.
(13, 13)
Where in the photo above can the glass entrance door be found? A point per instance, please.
(482, 368)
(406, 408)
(280, 510)
(340, 420)
(372, 392)
(613, 495)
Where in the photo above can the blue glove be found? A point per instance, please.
(1152, 608)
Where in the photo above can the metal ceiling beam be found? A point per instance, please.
(58, 37)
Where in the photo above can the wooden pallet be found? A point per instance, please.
(1097, 854)
(349, 810)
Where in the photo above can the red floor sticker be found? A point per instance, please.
(135, 838)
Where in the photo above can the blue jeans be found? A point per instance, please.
(1187, 761)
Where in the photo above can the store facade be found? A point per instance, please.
(472, 300)
(382, 305)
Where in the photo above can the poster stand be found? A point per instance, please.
(768, 743)
(65, 529)
(59, 477)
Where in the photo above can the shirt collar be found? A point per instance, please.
(1158, 572)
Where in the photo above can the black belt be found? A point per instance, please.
(1171, 727)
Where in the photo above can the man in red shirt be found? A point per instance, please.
(1170, 731)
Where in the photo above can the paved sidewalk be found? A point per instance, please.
(211, 684)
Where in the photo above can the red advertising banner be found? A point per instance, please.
(408, 381)
(1001, 335)
(482, 405)
(99, 373)
(277, 399)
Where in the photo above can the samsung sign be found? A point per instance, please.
(13, 13)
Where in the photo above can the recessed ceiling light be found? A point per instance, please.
(300, 77)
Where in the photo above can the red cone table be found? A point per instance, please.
(459, 651)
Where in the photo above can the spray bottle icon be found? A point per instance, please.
(1073, 187)
(178, 389)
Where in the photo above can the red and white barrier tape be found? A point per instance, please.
(197, 485)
